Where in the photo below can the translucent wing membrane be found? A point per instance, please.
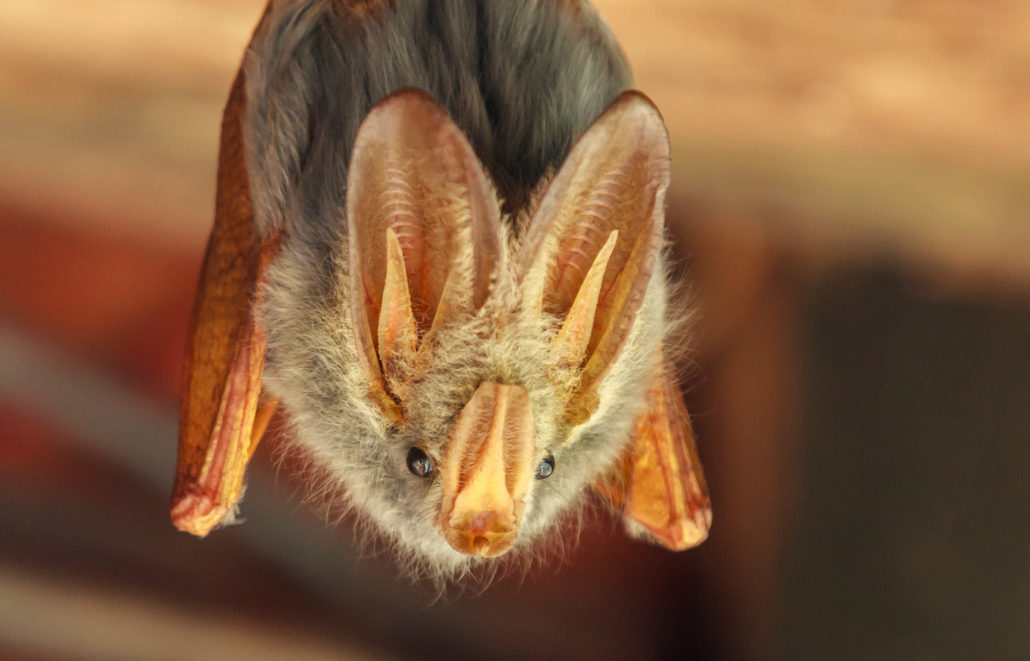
(225, 350)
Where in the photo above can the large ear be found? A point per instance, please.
(424, 233)
(658, 486)
(220, 420)
(592, 245)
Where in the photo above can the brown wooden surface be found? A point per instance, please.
(900, 126)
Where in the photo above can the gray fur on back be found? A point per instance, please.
(522, 79)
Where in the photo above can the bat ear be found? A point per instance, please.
(221, 420)
(424, 233)
(594, 240)
(658, 486)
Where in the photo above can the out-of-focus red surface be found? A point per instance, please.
(121, 303)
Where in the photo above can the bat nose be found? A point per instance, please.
(485, 471)
(488, 534)
(483, 520)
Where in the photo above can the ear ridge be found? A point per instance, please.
(614, 180)
(414, 176)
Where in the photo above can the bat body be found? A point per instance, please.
(438, 245)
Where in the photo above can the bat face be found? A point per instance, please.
(464, 369)
(463, 377)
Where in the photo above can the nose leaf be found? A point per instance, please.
(486, 470)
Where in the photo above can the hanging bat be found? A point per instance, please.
(438, 246)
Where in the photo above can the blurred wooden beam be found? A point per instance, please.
(888, 128)
(78, 620)
(111, 110)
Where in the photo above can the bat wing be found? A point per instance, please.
(659, 486)
(220, 421)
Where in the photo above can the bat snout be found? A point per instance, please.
(486, 470)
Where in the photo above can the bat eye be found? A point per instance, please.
(419, 463)
(545, 468)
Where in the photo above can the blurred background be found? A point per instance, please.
(851, 198)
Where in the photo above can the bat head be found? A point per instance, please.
(462, 376)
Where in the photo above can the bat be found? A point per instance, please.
(438, 248)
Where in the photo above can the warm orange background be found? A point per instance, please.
(851, 197)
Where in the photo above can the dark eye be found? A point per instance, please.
(419, 463)
(545, 468)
